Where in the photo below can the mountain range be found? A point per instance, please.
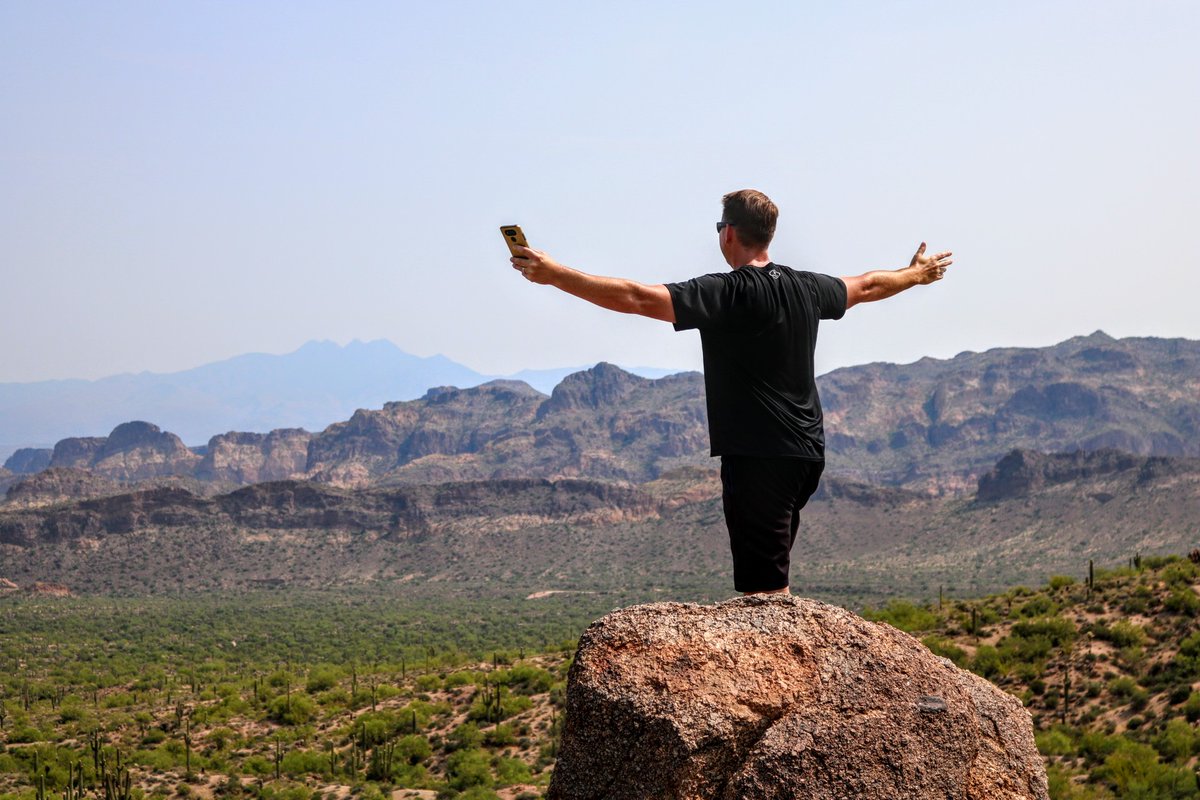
(974, 472)
(934, 425)
(310, 388)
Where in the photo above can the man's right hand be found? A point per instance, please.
(536, 266)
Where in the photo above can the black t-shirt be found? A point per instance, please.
(758, 328)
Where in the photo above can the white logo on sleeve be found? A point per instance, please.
(774, 274)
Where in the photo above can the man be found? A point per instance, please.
(758, 330)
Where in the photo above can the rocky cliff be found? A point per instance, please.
(134, 451)
(778, 698)
(58, 485)
(29, 460)
(242, 458)
(1023, 472)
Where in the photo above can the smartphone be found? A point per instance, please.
(513, 237)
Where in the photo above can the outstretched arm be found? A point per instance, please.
(615, 294)
(881, 284)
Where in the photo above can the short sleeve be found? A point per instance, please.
(830, 296)
(704, 302)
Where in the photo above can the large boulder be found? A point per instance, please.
(780, 697)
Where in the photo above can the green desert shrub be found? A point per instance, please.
(1122, 634)
(465, 737)
(1182, 601)
(1040, 606)
(500, 736)
(1176, 742)
(526, 679)
(987, 661)
(512, 770)
(941, 646)
(1057, 630)
(903, 615)
(1123, 687)
(1133, 770)
(299, 709)
(510, 706)
(1180, 573)
(467, 768)
(413, 749)
(322, 679)
(305, 762)
(1054, 742)
(1191, 708)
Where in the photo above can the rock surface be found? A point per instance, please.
(49, 589)
(780, 697)
(57, 485)
(242, 458)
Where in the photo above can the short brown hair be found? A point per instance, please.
(752, 214)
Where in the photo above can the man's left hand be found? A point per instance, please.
(930, 268)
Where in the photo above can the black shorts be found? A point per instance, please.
(762, 499)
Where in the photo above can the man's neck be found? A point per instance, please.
(750, 259)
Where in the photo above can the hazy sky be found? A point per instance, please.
(182, 182)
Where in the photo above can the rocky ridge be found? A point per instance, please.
(943, 423)
(1022, 472)
(523, 536)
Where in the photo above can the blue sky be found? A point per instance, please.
(183, 182)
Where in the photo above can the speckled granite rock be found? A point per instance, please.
(782, 697)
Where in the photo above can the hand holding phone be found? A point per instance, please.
(514, 238)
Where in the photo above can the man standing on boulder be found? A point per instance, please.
(758, 331)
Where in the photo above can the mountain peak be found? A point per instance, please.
(603, 385)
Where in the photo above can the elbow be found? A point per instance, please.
(870, 290)
(646, 302)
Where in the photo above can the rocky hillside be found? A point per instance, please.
(1033, 515)
(935, 425)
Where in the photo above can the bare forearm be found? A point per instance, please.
(615, 294)
(881, 284)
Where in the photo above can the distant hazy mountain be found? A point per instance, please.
(318, 384)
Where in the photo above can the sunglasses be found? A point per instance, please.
(721, 226)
